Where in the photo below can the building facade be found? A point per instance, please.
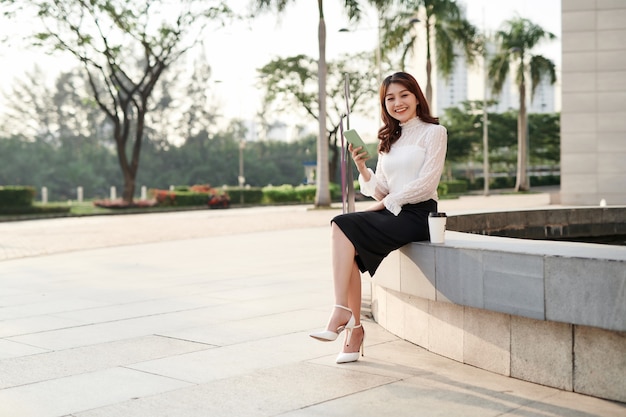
(593, 115)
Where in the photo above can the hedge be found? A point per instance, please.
(34, 210)
(16, 196)
(251, 195)
(454, 186)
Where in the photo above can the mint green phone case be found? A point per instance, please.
(353, 137)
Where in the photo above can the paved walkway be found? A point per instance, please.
(206, 313)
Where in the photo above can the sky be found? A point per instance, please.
(236, 52)
(295, 32)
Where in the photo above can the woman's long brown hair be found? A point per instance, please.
(390, 132)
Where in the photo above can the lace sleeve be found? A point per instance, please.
(376, 187)
(425, 186)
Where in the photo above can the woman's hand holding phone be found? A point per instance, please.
(359, 156)
(357, 149)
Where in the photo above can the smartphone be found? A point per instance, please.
(353, 137)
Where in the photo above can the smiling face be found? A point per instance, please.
(400, 103)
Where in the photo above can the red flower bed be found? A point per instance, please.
(192, 196)
(121, 204)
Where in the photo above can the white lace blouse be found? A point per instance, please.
(409, 173)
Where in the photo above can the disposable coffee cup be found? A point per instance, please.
(437, 226)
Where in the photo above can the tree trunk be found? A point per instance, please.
(521, 181)
(129, 188)
(334, 160)
(429, 69)
(322, 194)
(127, 171)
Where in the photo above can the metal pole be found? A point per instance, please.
(241, 179)
(485, 135)
(485, 116)
(348, 166)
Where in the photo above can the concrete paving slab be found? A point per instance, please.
(238, 359)
(267, 392)
(36, 324)
(9, 349)
(33, 368)
(249, 329)
(62, 396)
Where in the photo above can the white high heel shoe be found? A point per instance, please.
(345, 357)
(329, 335)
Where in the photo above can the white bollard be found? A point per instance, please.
(79, 194)
(44, 195)
(144, 192)
(113, 193)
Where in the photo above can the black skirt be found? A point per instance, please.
(375, 234)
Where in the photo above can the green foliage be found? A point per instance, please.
(16, 197)
(454, 186)
(249, 195)
(508, 181)
(544, 133)
(34, 210)
(306, 193)
(285, 193)
(292, 83)
(465, 138)
(442, 189)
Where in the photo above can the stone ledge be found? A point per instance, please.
(573, 283)
(517, 307)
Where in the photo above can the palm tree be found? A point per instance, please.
(322, 195)
(446, 28)
(514, 43)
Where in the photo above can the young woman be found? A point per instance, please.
(412, 151)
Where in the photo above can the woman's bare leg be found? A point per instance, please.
(344, 271)
(354, 293)
(354, 337)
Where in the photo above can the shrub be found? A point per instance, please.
(35, 209)
(285, 193)
(301, 194)
(16, 196)
(251, 195)
(306, 193)
(455, 186)
(196, 195)
(442, 189)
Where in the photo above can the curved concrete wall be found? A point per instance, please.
(553, 313)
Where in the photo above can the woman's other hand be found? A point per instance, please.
(377, 206)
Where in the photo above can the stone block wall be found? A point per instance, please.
(570, 357)
(553, 313)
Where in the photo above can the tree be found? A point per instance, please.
(124, 48)
(322, 195)
(446, 29)
(463, 137)
(290, 83)
(514, 44)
